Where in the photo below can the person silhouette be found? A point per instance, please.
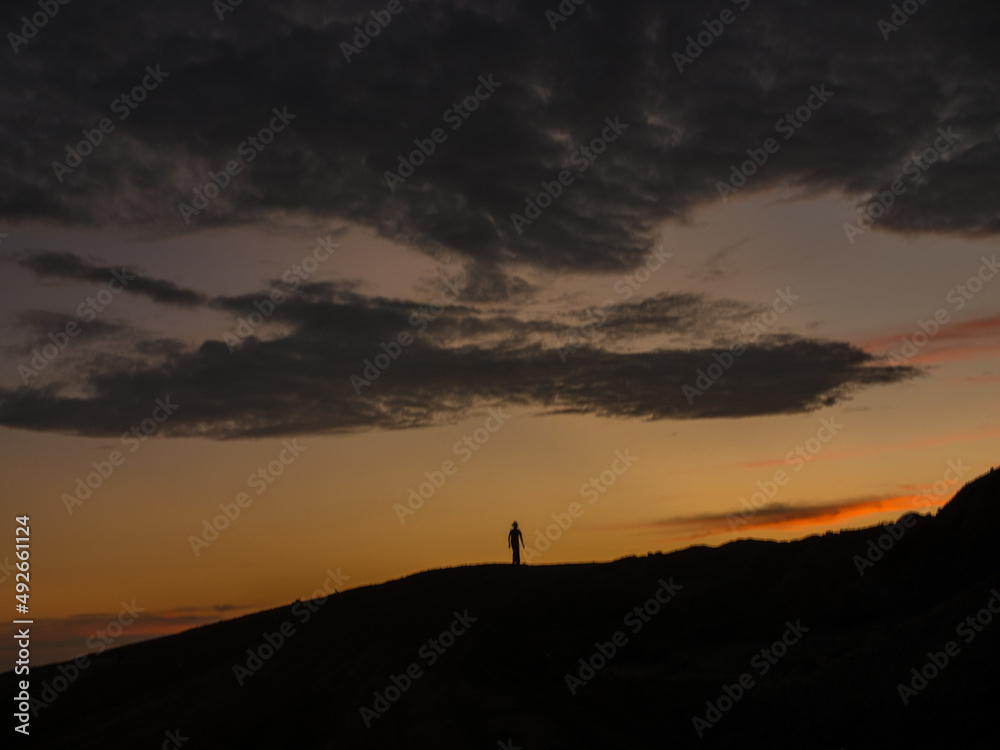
(512, 540)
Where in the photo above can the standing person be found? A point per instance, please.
(512, 540)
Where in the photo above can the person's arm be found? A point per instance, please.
(521, 537)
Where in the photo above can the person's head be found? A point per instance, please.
(514, 525)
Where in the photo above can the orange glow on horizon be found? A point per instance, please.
(785, 519)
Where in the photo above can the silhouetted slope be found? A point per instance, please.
(968, 525)
(505, 676)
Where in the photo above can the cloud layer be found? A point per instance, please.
(353, 120)
(325, 358)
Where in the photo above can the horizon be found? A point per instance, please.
(335, 583)
(319, 289)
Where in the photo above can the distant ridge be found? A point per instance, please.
(971, 520)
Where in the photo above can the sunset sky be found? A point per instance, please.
(769, 267)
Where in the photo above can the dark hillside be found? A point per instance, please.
(853, 639)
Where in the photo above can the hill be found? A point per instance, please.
(861, 639)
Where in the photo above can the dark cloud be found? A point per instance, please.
(63, 265)
(354, 120)
(35, 325)
(487, 282)
(62, 345)
(328, 360)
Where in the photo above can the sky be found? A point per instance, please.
(334, 292)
